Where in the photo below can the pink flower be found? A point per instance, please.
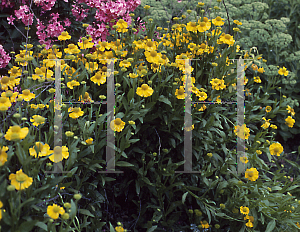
(10, 20)
(67, 22)
(4, 57)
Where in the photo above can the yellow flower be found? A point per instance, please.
(3, 155)
(252, 174)
(244, 160)
(37, 120)
(261, 70)
(64, 36)
(42, 149)
(5, 83)
(54, 210)
(298, 224)
(218, 21)
(150, 45)
(26, 95)
(144, 91)
(203, 107)
(125, 63)
(204, 224)
(254, 67)
(244, 210)
(15, 71)
(259, 152)
(268, 109)
(20, 180)
(133, 75)
(192, 26)
(152, 56)
(237, 22)
(276, 149)
(249, 224)
(99, 78)
(257, 79)
(242, 131)
(4, 103)
(205, 25)
(72, 49)
(283, 71)
(266, 124)
(86, 98)
(76, 112)
(117, 125)
(59, 153)
(180, 93)
(227, 39)
(86, 43)
(290, 110)
(202, 96)
(122, 26)
(119, 229)
(16, 133)
(273, 126)
(289, 121)
(89, 141)
(72, 83)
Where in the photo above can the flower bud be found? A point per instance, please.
(10, 188)
(77, 196)
(65, 216)
(146, 7)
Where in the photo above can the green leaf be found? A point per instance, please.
(124, 164)
(86, 212)
(271, 225)
(73, 210)
(42, 225)
(184, 197)
(163, 99)
(130, 95)
(152, 229)
(111, 228)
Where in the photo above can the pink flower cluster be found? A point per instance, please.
(24, 14)
(54, 29)
(45, 4)
(105, 12)
(79, 12)
(4, 57)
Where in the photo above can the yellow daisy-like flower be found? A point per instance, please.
(244, 210)
(218, 21)
(261, 70)
(4, 103)
(117, 125)
(204, 224)
(244, 160)
(266, 124)
(64, 36)
(76, 112)
(273, 126)
(258, 152)
(276, 149)
(20, 180)
(242, 131)
(119, 229)
(290, 110)
(268, 109)
(72, 49)
(59, 153)
(192, 26)
(257, 79)
(42, 149)
(3, 155)
(125, 63)
(54, 210)
(252, 174)
(16, 133)
(72, 83)
(99, 78)
(227, 39)
(152, 56)
(89, 141)
(204, 25)
(203, 107)
(144, 91)
(122, 26)
(289, 121)
(237, 22)
(15, 72)
(150, 45)
(37, 120)
(133, 75)
(249, 224)
(86, 98)
(27, 95)
(180, 93)
(86, 43)
(5, 83)
(283, 71)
